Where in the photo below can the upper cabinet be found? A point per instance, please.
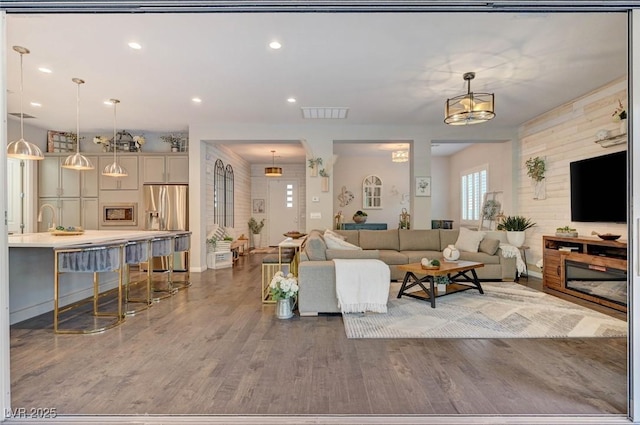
(165, 169)
(55, 181)
(372, 192)
(129, 182)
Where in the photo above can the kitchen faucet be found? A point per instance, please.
(53, 215)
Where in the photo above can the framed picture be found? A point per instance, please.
(423, 186)
(258, 206)
(60, 141)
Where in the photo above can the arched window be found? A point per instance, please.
(219, 193)
(228, 200)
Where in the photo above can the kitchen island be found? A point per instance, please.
(31, 269)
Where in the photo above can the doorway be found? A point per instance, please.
(284, 209)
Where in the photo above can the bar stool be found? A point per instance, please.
(162, 250)
(135, 252)
(182, 246)
(89, 259)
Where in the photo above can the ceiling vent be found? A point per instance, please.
(324, 113)
(17, 114)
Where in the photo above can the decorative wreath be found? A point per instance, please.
(490, 209)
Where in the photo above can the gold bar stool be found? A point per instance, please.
(136, 252)
(182, 246)
(89, 259)
(162, 254)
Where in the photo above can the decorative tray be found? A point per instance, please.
(73, 231)
(567, 234)
(429, 267)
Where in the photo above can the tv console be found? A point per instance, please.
(588, 268)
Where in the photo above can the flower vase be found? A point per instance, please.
(284, 308)
(539, 190)
(442, 288)
(451, 253)
(314, 170)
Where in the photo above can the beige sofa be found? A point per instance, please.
(316, 273)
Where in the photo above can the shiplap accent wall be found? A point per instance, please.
(242, 187)
(260, 190)
(560, 136)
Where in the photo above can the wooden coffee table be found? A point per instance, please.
(458, 273)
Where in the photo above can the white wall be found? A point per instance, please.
(442, 206)
(350, 171)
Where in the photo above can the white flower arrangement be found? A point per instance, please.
(101, 140)
(283, 287)
(140, 140)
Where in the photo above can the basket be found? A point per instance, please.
(429, 267)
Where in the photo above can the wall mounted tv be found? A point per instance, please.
(599, 189)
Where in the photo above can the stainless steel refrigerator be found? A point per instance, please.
(166, 207)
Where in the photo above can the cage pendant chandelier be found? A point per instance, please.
(114, 169)
(78, 161)
(21, 149)
(273, 171)
(469, 108)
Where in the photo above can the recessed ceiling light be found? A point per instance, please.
(108, 102)
(45, 70)
(275, 45)
(135, 45)
(291, 100)
(36, 104)
(196, 100)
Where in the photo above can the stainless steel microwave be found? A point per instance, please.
(120, 214)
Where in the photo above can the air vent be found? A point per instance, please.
(17, 114)
(324, 113)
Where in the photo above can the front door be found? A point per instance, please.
(283, 209)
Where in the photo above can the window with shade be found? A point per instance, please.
(473, 187)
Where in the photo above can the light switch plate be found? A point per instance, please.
(315, 215)
(315, 199)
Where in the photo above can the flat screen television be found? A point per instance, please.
(599, 189)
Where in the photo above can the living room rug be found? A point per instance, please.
(506, 310)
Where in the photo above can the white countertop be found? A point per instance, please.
(47, 240)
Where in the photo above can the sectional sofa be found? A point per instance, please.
(316, 273)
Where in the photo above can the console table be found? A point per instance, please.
(364, 226)
(586, 267)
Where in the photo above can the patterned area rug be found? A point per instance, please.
(506, 310)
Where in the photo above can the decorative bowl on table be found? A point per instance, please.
(608, 237)
(427, 264)
(294, 235)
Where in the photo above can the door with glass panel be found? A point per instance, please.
(283, 209)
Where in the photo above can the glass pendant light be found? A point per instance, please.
(78, 161)
(273, 171)
(22, 149)
(114, 169)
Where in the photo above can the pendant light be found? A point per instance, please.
(22, 149)
(469, 108)
(400, 156)
(78, 161)
(273, 171)
(114, 169)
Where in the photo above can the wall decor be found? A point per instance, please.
(345, 197)
(61, 141)
(423, 186)
(258, 206)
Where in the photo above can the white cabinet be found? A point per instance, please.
(67, 211)
(89, 179)
(129, 182)
(90, 214)
(165, 169)
(55, 181)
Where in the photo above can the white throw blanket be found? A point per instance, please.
(362, 285)
(510, 251)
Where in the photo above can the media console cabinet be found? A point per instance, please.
(589, 268)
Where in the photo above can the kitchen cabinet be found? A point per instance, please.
(55, 181)
(67, 211)
(89, 179)
(90, 214)
(129, 182)
(165, 169)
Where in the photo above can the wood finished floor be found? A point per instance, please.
(215, 349)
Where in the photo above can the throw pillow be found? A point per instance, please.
(469, 240)
(489, 246)
(337, 243)
(334, 234)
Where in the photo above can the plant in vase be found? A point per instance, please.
(256, 227)
(620, 114)
(441, 283)
(536, 168)
(177, 141)
(314, 163)
(515, 227)
(360, 217)
(283, 290)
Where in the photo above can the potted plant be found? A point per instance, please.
(177, 141)
(283, 290)
(441, 283)
(325, 180)
(256, 227)
(515, 227)
(536, 168)
(313, 164)
(360, 217)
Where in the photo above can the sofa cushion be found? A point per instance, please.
(480, 257)
(314, 246)
(351, 236)
(392, 257)
(379, 239)
(448, 237)
(334, 241)
(469, 240)
(500, 235)
(419, 240)
(489, 246)
(350, 254)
